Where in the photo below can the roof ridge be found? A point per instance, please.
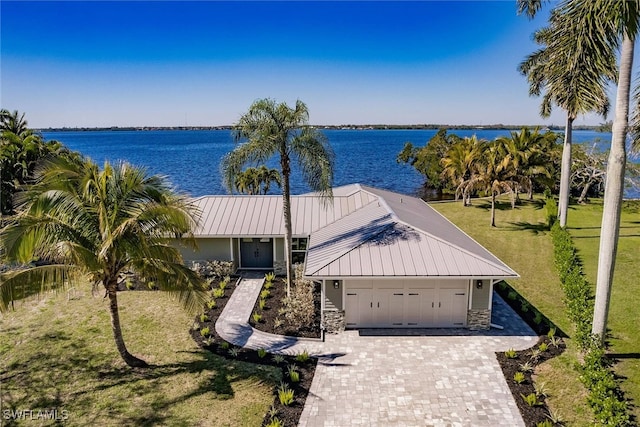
(382, 201)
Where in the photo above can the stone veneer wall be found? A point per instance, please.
(478, 319)
(280, 268)
(333, 321)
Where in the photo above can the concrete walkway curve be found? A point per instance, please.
(417, 377)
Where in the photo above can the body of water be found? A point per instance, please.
(191, 159)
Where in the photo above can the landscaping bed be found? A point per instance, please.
(274, 320)
(305, 366)
(519, 366)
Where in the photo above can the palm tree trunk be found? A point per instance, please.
(530, 189)
(128, 358)
(286, 208)
(493, 208)
(565, 173)
(610, 229)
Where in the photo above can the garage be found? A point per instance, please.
(406, 303)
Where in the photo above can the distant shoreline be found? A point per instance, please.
(327, 127)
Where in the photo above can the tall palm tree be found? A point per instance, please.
(78, 222)
(458, 164)
(603, 27)
(13, 122)
(270, 129)
(565, 70)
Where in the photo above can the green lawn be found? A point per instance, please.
(520, 240)
(59, 354)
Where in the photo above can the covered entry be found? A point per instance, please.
(408, 304)
(256, 253)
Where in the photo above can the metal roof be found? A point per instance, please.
(364, 232)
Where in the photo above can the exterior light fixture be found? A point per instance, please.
(478, 284)
(336, 284)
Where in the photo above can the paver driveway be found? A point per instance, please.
(426, 377)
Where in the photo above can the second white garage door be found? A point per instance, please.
(408, 304)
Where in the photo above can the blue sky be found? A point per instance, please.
(203, 63)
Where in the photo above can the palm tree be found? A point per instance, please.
(565, 70)
(79, 222)
(458, 164)
(603, 27)
(491, 174)
(13, 122)
(526, 156)
(256, 180)
(270, 129)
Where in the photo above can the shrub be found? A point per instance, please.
(225, 345)
(262, 353)
(285, 394)
(519, 377)
(204, 331)
(299, 308)
(551, 211)
(216, 269)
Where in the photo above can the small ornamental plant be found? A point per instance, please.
(510, 354)
(262, 303)
(257, 317)
(211, 304)
(519, 377)
(204, 331)
(217, 293)
(303, 357)
(531, 399)
(262, 353)
(265, 294)
(204, 318)
(285, 394)
(292, 372)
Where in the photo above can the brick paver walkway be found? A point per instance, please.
(417, 377)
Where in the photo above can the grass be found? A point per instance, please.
(520, 240)
(59, 353)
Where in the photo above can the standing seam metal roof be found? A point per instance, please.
(364, 232)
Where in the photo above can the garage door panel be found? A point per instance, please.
(358, 313)
(420, 306)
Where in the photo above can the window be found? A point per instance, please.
(298, 249)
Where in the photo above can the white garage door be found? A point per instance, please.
(408, 304)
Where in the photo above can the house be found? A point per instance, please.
(384, 260)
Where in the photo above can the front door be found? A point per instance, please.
(256, 253)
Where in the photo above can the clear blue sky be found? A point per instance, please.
(203, 63)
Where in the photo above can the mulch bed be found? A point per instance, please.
(270, 314)
(288, 415)
(539, 412)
